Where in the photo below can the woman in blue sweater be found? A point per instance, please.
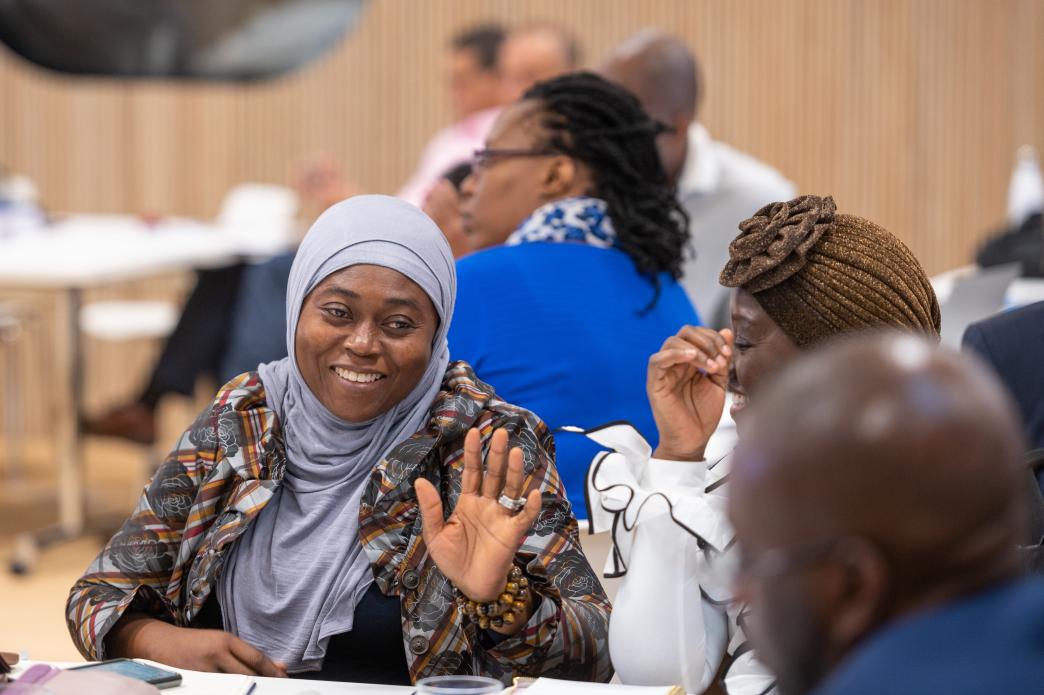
(579, 287)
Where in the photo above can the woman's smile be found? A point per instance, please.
(739, 402)
(358, 378)
(364, 340)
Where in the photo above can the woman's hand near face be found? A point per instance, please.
(475, 548)
(686, 383)
(212, 651)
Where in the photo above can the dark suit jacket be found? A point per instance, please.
(989, 642)
(1013, 344)
(258, 330)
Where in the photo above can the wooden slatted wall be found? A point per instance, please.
(907, 111)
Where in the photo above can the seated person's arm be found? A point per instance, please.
(670, 537)
(133, 571)
(139, 636)
(128, 601)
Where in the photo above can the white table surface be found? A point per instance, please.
(221, 684)
(89, 250)
(193, 683)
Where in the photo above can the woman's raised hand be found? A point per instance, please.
(475, 548)
(686, 383)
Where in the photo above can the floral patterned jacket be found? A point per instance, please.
(166, 558)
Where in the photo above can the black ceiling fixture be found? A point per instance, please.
(205, 39)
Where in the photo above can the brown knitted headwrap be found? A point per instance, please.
(818, 273)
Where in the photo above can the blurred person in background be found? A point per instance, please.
(529, 54)
(718, 185)
(1021, 243)
(488, 69)
(198, 347)
(247, 296)
(535, 53)
(476, 95)
(194, 350)
(319, 181)
(582, 240)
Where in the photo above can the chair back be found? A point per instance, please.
(974, 298)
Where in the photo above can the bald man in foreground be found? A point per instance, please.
(878, 506)
(718, 185)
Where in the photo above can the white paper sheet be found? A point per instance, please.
(554, 686)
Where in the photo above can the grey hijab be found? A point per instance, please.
(296, 575)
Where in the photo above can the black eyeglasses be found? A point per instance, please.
(485, 158)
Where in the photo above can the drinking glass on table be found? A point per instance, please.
(458, 685)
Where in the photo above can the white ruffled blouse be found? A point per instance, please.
(672, 622)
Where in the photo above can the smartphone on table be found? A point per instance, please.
(159, 677)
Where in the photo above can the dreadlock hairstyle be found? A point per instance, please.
(602, 125)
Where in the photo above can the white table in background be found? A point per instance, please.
(88, 251)
(1022, 291)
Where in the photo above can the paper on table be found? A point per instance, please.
(213, 684)
(554, 686)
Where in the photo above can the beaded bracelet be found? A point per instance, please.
(505, 608)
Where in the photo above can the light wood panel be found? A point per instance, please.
(908, 111)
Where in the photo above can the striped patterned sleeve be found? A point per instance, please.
(143, 564)
(567, 635)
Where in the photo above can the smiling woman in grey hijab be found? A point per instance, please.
(300, 525)
(328, 458)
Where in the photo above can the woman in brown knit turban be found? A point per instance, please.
(803, 273)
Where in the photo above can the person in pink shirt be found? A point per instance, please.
(476, 96)
(529, 54)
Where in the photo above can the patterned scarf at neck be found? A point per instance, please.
(581, 220)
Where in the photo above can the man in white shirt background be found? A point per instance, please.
(718, 185)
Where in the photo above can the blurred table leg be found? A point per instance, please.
(71, 490)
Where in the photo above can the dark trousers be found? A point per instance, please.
(198, 343)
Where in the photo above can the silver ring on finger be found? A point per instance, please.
(512, 504)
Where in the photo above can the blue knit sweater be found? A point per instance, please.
(562, 330)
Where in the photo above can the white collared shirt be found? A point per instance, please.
(719, 188)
